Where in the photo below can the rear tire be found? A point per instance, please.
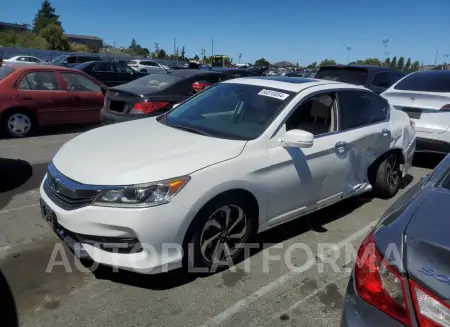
(388, 176)
(19, 123)
(214, 242)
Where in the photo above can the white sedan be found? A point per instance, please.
(194, 185)
(23, 60)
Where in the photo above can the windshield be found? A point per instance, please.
(232, 111)
(431, 81)
(59, 59)
(5, 71)
(346, 75)
(156, 82)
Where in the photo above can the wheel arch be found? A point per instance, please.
(19, 108)
(372, 170)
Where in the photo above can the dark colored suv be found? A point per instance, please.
(73, 60)
(375, 78)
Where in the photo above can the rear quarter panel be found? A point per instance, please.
(8, 93)
(403, 136)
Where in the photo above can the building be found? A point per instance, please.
(92, 42)
(13, 27)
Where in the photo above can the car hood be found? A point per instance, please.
(428, 243)
(140, 151)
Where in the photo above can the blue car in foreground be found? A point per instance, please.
(402, 272)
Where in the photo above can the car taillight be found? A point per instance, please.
(141, 108)
(200, 86)
(431, 312)
(446, 107)
(379, 284)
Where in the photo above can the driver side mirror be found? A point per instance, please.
(297, 138)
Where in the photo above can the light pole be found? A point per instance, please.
(240, 56)
(386, 53)
(445, 57)
(349, 49)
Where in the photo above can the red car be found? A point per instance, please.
(37, 95)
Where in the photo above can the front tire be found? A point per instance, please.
(388, 176)
(218, 234)
(19, 124)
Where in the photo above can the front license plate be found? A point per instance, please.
(49, 215)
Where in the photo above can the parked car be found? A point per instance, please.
(425, 97)
(110, 73)
(402, 273)
(235, 72)
(147, 66)
(23, 60)
(73, 60)
(299, 73)
(375, 78)
(241, 157)
(155, 94)
(36, 95)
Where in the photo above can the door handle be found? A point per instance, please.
(76, 98)
(28, 98)
(340, 144)
(385, 131)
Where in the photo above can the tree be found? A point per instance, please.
(327, 62)
(387, 62)
(146, 51)
(312, 65)
(196, 57)
(262, 62)
(133, 44)
(44, 17)
(407, 65)
(415, 66)
(54, 35)
(373, 61)
(161, 54)
(183, 52)
(400, 63)
(394, 62)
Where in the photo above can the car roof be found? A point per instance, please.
(372, 68)
(190, 72)
(25, 67)
(293, 84)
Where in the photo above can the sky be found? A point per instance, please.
(300, 31)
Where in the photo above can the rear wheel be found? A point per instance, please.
(19, 123)
(388, 176)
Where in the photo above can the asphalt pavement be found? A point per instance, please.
(288, 281)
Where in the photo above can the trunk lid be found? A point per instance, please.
(427, 244)
(424, 108)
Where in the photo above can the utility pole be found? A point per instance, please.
(212, 47)
(386, 53)
(444, 59)
(349, 49)
(114, 50)
(156, 47)
(174, 45)
(240, 56)
(203, 52)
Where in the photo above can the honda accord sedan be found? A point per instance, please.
(402, 272)
(195, 184)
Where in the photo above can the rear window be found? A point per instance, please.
(347, 75)
(434, 81)
(5, 72)
(156, 81)
(132, 62)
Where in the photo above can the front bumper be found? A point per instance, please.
(359, 313)
(159, 230)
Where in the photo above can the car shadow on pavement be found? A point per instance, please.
(18, 176)
(427, 160)
(67, 129)
(8, 310)
(180, 277)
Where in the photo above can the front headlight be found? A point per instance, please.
(143, 195)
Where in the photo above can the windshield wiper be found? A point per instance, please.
(190, 129)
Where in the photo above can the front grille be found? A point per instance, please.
(117, 106)
(65, 197)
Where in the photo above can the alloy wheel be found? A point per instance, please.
(392, 171)
(223, 234)
(19, 124)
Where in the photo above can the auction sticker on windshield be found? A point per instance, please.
(274, 94)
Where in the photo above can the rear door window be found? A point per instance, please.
(103, 67)
(429, 81)
(149, 63)
(357, 109)
(40, 81)
(78, 83)
(381, 80)
(349, 75)
(71, 60)
(395, 77)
